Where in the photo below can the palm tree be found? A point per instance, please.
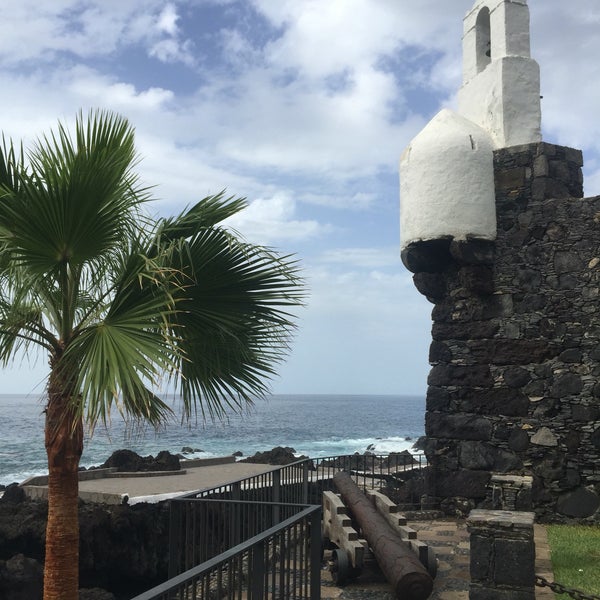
(118, 300)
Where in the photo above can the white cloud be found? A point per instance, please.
(270, 220)
(323, 38)
(355, 202)
(167, 20)
(370, 258)
(91, 88)
(171, 51)
(34, 31)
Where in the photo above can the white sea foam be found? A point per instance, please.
(377, 445)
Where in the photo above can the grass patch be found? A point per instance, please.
(575, 551)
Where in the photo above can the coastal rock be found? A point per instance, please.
(123, 549)
(21, 578)
(190, 450)
(398, 459)
(23, 528)
(277, 456)
(129, 461)
(14, 494)
(95, 594)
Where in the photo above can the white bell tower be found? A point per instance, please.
(501, 82)
(447, 171)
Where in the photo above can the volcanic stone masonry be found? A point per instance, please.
(515, 379)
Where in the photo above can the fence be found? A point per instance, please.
(402, 476)
(260, 537)
(282, 561)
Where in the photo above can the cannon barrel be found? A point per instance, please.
(397, 561)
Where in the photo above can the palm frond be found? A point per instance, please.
(81, 196)
(11, 166)
(121, 356)
(233, 321)
(208, 212)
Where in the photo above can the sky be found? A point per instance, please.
(304, 108)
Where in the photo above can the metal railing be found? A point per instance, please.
(282, 562)
(201, 529)
(403, 477)
(260, 537)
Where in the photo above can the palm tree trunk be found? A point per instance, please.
(64, 445)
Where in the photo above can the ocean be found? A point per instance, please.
(314, 425)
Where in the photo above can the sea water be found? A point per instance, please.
(314, 425)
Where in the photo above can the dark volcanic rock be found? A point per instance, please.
(13, 494)
(566, 385)
(190, 450)
(277, 456)
(475, 455)
(430, 256)
(23, 528)
(21, 578)
(473, 252)
(459, 375)
(129, 461)
(470, 427)
(95, 594)
(123, 549)
(518, 440)
(516, 377)
(580, 504)
(463, 483)
(398, 459)
(430, 285)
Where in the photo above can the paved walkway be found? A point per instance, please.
(154, 487)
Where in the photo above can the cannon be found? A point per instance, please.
(408, 564)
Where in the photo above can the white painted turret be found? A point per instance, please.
(501, 82)
(447, 182)
(447, 172)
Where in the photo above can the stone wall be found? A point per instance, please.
(514, 385)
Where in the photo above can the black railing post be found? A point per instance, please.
(174, 539)
(276, 496)
(305, 482)
(236, 490)
(256, 572)
(315, 555)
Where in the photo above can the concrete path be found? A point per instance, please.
(160, 487)
(112, 488)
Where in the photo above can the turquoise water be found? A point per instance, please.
(315, 425)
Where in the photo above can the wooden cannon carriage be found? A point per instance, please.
(365, 528)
